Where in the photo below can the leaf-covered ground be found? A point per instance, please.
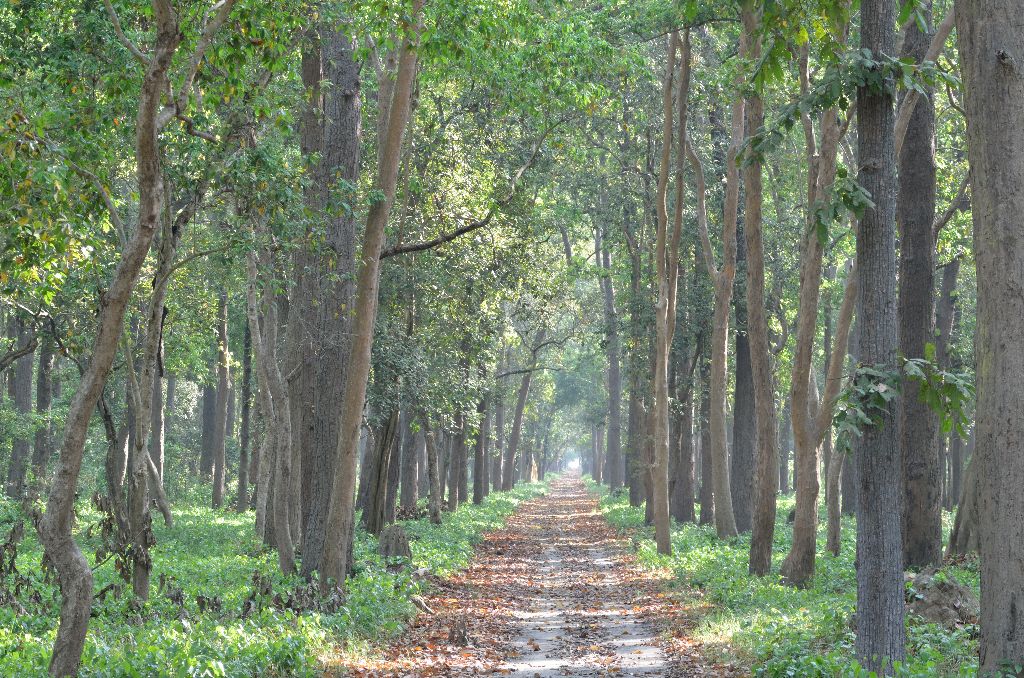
(554, 593)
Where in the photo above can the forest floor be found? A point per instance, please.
(554, 593)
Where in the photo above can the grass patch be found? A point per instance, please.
(779, 630)
(215, 554)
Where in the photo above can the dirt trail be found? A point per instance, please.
(555, 593)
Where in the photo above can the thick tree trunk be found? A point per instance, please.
(332, 130)
(244, 433)
(915, 213)
(881, 630)
(21, 386)
(221, 415)
(991, 34)
(377, 469)
(744, 421)
(340, 530)
(409, 493)
(765, 481)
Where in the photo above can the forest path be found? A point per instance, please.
(554, 593)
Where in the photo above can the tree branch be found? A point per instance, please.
(139, 55)
(486, 219)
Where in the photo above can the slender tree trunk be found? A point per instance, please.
(275, 400)
(508, 466)
(244, 433)
(480, 453)
(209, 416)
(915, 213)
(765, 481)
(74, 576)
(991, 35)
(498, 465)
(221, 415)
(43, 443)
(433, 474)
(706, 495)
(22, 392)
(341, 517)
(612, 350)
(881, 631)
(683, 491)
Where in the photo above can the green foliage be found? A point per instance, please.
(863, 401)
(213, 556)
(779, 630)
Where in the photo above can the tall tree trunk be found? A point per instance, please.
(22, 392)
(340, 530)
(991, 34)
(43, 443)
(221, 416)
(612, 350)
(263, 332)
(667, 277)
(244, 439)
(744, 416)
(74, 575)
(881, 630)
(332, 130)
(706, 494)
(377, 469)
(433, 473)
(409, 494)
(766, 485)
(508, 466)
(784, 436)
(498, 466)
(209, 417)
(683, 491)
(915, 214)
(480, 453)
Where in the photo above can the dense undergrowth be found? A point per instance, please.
(219, 605)
(779, 630)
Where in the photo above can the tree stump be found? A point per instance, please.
(394, 543)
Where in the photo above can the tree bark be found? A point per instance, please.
(991, 35)
(244, 433)
(766, 479)
(508, 466)
(433, 474)
(613, 351)
(209, 417)
(74, 575)
(263, 332)
(43, 443)
(915, 215)
(341, 519)
(221, 415)
(480, 452)
(22, 391)
(332, 130)
(706, 494)
(377, 469)
(409, 494)
(881, 631)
